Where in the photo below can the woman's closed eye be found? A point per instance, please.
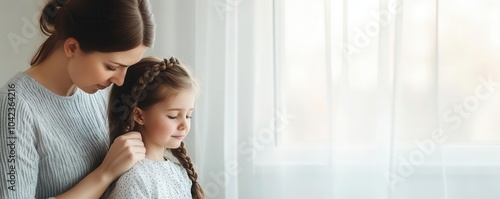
(111, 68)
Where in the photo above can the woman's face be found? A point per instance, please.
(96, 70)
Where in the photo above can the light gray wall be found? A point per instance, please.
(20, 36)
(175, 29)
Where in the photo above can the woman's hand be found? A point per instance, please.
(125, 151)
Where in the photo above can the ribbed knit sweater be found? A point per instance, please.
(48, 142)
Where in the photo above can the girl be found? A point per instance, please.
(156, 99)
(53, 132)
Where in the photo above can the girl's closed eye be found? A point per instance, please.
(175, 117)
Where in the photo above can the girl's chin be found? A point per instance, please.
(175, 145)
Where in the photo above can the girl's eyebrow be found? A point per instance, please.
(179, 109)
(122, 65)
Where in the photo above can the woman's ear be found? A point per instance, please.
(138, 115)
(71, 47)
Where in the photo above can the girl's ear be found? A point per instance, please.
(138, 115)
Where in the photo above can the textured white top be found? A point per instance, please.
(153, 179)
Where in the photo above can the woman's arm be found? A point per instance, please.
(125, 151)
(19, 158)
(18, 154)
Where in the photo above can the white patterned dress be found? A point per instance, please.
(153, 179)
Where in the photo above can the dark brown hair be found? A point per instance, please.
(98, 25)
(146, 83)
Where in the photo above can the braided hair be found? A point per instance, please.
(142, 89)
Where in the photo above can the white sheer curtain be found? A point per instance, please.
(341, 99)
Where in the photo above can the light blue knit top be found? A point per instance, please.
(48, 142)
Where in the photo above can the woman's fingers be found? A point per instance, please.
(132, 135)
(125, 151)
(140, 149)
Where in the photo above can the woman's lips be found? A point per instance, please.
(101, 86)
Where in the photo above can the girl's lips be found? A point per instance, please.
(178, 136)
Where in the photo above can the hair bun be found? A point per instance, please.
(51, 9)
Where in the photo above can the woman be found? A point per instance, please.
(53, 130)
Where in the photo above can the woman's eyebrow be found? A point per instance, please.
(122, 65)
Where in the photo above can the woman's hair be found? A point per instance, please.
(147, 82)
(98, 25)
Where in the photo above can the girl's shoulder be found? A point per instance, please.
(143, 171)
(146, 170)
(153, 179)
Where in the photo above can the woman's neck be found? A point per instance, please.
(53, 74)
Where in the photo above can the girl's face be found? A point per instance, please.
(96, 70)
(167, 123)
